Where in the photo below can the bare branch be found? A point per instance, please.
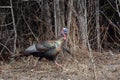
(6, 24)
(29, 27)
(6, 48)
(5, 7)
(117, 7)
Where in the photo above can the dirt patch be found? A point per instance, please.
(79, 68)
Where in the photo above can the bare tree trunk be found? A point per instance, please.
(83, 19)
(57, 17)
(62, 15)
(15, 30)
(81, 15)
(98, 26)
(87, 42)
(47, 14)
(69, 13)
(84, 33)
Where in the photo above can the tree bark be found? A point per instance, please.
(83, 19)
(57, 17)
(15, 30)
(98, 26)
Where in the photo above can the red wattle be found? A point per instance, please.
(65, 37)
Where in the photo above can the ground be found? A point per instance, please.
(79, 67)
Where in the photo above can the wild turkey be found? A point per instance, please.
(46, 49)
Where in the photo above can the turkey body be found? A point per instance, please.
(46, 49)
(49, 49)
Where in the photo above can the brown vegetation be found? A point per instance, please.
(93, 38)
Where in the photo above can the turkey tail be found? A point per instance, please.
(27, 52)
(21, 54)
(31, 48)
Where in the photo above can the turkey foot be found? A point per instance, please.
(59, 65)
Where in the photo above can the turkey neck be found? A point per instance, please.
(60, 41)
(58, 44)
(64, 36)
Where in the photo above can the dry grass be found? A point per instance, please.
(107, 68)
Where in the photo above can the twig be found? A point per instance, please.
(111, 5)
(6, 48)
(111, 23)
(42, 21)
(118, 11)
(29, 27)
(6, 24)
(3, 49)
(92, 61)
(104, 36)
(117, 7)
(5, 6)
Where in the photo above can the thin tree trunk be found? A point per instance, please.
(62, 20)
(69, 13)
(83, 19)
(47, 14)
(15, 30)
(58, 15)
(98, 26)
(55, 19)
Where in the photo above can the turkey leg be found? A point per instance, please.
(59, 65)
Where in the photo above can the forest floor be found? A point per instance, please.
(107, 67)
